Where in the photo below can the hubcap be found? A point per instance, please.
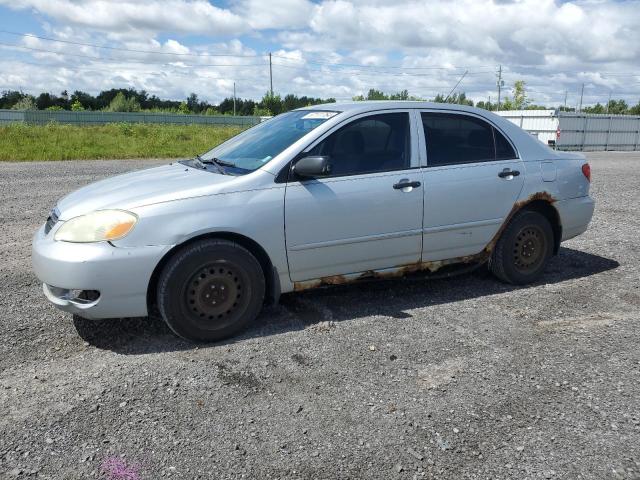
(529, 249)
(214, 293)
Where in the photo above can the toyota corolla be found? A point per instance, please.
(323, 195)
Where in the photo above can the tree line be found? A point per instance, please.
(132, 100)
(518, 100)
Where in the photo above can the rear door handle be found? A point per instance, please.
(405, 184)
(508, 173)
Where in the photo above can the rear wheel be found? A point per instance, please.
(210, 290)
(523, 251)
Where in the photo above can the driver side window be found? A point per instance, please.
(377, 143)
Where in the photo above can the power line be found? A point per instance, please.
(380, 70)
(378, 73)
(151, 62)
(307, 61)
(131, 49)
(129, 61)
(365, 66)
(281, 57)
(91, 67)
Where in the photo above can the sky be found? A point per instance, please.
(324, 48)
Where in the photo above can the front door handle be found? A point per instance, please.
(406, 184)
(508, 173)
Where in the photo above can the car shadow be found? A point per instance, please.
(316, 308)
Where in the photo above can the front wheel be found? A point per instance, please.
(210, 290)
(524, 249)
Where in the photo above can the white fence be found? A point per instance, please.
(579, 131)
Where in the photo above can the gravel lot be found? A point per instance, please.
(456, 378)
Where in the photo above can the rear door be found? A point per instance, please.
(472, 177)
(364, 215)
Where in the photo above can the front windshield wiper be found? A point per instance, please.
(213, 161)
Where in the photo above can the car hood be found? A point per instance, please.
(144, 187)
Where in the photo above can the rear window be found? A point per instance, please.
(455, 138)
(504, 150)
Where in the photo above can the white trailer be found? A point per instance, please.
(579, 131)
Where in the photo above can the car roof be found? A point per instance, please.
(369, 105)
(528, 146)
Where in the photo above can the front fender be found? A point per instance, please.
(255, 214)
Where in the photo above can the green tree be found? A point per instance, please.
(88, 101)
(507, 104)
(9, 98)
(374, 94)
(183, 108)
(456, 98)
(194, 105)
(27, 102)
(120, 103)
(271, 102)
(618, 107)
(77, 106)
(261, 112)
(45, 101)
(486, 105)
(520, 100)
(598, 108)
(402, 95)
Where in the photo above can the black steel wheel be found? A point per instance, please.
(523, 251)
(210, 290)
(529, 249)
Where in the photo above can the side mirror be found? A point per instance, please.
(312, 166)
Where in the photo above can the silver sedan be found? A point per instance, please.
(324, 195)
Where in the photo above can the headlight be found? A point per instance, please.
(99, 226)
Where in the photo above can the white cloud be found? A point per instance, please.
(272, 14)
(186, 16)
(553, 46)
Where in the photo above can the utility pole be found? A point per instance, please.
(608, 102)
(565, 100)
(581, 97)
(500, 84)
(234, 99)
(270, 76)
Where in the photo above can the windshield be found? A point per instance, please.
(255, 147)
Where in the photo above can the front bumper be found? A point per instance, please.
(120, 275)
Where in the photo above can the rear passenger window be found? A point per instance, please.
(504, 150)
(377, 143)
(455, 138)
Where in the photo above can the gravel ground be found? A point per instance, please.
(456, 378)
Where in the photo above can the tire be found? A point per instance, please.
(524, 249)
(210, 290)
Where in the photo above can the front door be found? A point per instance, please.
(367, 213)
(472, 179)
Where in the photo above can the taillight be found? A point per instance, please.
(586, 170)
